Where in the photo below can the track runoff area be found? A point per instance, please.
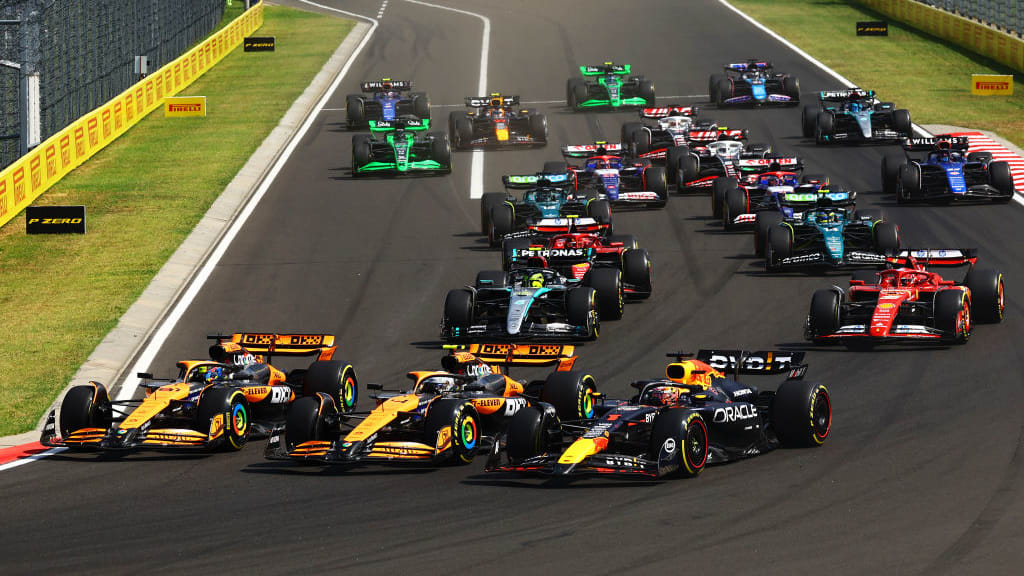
(904, 439)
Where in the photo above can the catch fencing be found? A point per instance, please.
(59, 59)
(1005, 15)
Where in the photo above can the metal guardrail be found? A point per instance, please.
(1005, 15)
(81, 54)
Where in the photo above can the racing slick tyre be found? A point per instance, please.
(735, 204)
(673, 164)
(555, 167)
(487, 201)
(607, 282)
(1000, 178)
(360, 151)
(645, 90)
(987, 299)
(490, 279)
(826, 128)
(714, 84)
(628, 241)
(791, 86)
(779, 246)
(231, 404)
(458, 308)
(724, 92)
(868, 277)
(984, 157)
(501, 224)
(462, 420)
(420, 105)
(719, 189)
(539, 127)
(336, 378)
(441, 150)
(575, 92)
(628, 132)
(528, 432)
(657, 182)
(85, 406)
(891, 172)
(909, 183)
(571, 393)
(462, 131)
(823, 317)
(689, 168)
(308, 419)
(640, 142)
(801, 413)
(763, 222)
(508, 248)
(953, 315)
(887, 237)
(636, 271)
(600, 210)
(680, 435)
(901, 122)
(355, 111)
(809, 120)
(581, 310)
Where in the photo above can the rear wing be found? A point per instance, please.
(606, 68)
(412, 124)
(492, 100)
(845, 95)
(663, 111)
(818, 198)
(770, 164)
(527, 181)
(595, 149)
(934, 257)
(386, 84)
(562, 355)
(759, 362)
(748, 65)
(939, 142)
(268, 344)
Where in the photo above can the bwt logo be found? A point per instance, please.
(184, 107)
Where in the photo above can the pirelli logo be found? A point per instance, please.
(180, 106)
(992, 84)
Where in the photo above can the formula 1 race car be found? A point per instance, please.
(610, 174)
(908, 302)
(698, 168)
(401, 151)
(529, 304)
(676, 425)
(739, 202)
(445, 418)
(608, 86)
(753, 82)
(550, 205)
(385, 103)
(580, 256)
(853, 115)
(212, 404)
(949, 172)
(494, 123)
(826, 231)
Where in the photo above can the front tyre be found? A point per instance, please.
(801, 414)
(309, 419)
(85, 406)
(987, 298)
(231, 405)
(681, 436)
(460, 422)
(335, 378)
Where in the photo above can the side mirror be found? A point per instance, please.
(374, 387)
(145, 375)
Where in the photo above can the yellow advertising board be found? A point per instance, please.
(992, 84)
(32, 174)
(179, 106)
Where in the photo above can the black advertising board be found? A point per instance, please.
(55, 220)
(258, 44)
(873, 28)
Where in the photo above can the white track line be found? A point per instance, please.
(921, 131)
(32, 458)
(131, 383)
(383, 7)
(476, 175)
(530, 102)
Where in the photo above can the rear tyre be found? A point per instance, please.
(629, 130)
(809, 120)
(735, 205)
(887, 237)
(791, 86)
(307, 420)
(571, 393)
(953, 315)
(714, 85)
(458, 308)
(636, 270)
(891, 171)
(335, 378)
(763, 223)
(539, 127)
(719, 190)
(679, 435)
(488, 201)
(355, 111)
(657, 183)
(607, 282)
(984, 157)
(910, 182)
(823, 317)
(673, 162)
(987, 299)
(581, 309)
(463, 423)
(463, 132)
(501, 224)
(779, 246)
(85, 406)
(801, 413)
(231, 404)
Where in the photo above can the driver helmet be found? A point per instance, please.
(437, 384)
(830, 217)
(663, 396)
(535, 280)
(214, 373)
(854, 106)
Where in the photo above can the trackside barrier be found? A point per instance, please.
(32, 174)
(974, 36)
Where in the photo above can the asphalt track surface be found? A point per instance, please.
(922, 474)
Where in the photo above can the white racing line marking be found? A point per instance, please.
(383, 7)
(131, 383)
(32, 458)
(476, 174)
(531, 102)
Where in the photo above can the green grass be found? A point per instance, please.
(60, 295)
(927, 75)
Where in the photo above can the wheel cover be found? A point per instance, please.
(588, 403)
(239, 420)
(821, 416)
(348, 392)
(468, 432)
(696, 450)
